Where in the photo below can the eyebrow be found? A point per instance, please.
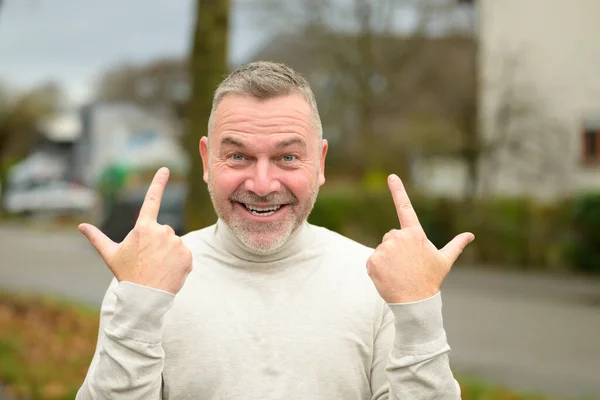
(233, 142)
(280, 145)
(291, 142)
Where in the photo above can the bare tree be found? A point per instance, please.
(521, 141)
(161, 84)
(363, 59)
(516, 139)
(19, 116)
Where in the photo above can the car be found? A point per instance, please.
(49, 197)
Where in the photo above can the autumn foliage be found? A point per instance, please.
(45, 346)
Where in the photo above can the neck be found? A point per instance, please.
(231, 244)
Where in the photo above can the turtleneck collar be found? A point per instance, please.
(300, 240)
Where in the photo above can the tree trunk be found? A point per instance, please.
(208, 66)
(473, 141)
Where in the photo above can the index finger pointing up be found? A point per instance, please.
(406, 213)
(151, 205)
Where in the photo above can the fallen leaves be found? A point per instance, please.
(45, 346)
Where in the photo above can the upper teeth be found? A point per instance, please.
(263, 209)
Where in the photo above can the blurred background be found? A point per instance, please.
(488, 110)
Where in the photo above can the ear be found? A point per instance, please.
(204, 154)
(322, 166)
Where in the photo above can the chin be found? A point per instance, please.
(265, 240)
(263, 246)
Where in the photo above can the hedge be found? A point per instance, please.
(514, 232)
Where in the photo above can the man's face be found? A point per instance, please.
(264, 167)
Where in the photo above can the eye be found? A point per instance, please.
(237, 157)
(289, 158)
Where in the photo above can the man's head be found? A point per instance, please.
(266, 158)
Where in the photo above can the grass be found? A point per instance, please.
(46, 346)
(475, 390)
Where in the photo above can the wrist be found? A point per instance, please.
(139, 312)
(419, 326)
(412, 297)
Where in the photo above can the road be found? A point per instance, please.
(533, 333)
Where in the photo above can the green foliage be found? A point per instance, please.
(515, 232)
(475, 390)
(583, 244)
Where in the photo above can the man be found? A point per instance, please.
(263, 305)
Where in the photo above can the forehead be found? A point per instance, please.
(246, 115)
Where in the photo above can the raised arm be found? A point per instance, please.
(408, 271)
(150, 267)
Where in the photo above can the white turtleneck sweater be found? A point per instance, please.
(302, 323)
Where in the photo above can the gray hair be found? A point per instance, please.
(266, 80)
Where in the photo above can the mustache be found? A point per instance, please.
(286, 197)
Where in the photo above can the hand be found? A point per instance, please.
(406, 266)
(151, 255)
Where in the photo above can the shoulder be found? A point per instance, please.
(199, 238)
(339, 245)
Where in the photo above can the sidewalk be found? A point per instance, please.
(534, 333)
(526, 284)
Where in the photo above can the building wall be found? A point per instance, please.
(548, 51)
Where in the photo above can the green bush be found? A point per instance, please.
(583, 244)
(515, 232)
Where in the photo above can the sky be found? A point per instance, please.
(72, 41)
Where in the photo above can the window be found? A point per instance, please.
(591, 145)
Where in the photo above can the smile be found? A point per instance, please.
(262, 211)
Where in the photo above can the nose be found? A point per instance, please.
(263, 180)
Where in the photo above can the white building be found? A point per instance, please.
(539, 96)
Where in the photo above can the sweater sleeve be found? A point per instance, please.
(129, 357)
(411, 354)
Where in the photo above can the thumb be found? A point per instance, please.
(103, 245)
(456, 246)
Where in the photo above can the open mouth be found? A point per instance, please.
(262, 211)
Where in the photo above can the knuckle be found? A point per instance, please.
(389, 235)
(370, 263)
(188, 268)
(420, 234)
(385, 248)
(373, 266)
(168, 230)
(375, 259)
(143, 227)
(414, 233)
(187, 261)
(370, 272)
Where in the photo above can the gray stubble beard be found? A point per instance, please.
(244, 230)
